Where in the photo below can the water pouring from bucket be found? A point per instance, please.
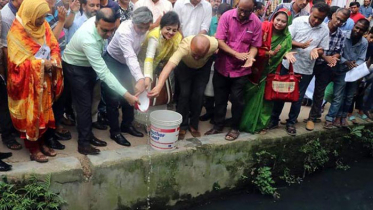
(144, 102)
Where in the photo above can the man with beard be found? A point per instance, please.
(215, 4)
(327, 65)
(353, 55)
(297, 8)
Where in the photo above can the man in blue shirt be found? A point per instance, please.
(366, 10)
(353, 54)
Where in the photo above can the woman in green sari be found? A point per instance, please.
(276, 45)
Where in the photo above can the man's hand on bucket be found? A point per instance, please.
(131, 99)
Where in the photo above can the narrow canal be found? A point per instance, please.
(330, 189)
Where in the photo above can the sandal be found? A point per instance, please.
(344, 123)
(13, 144)
(291, 130)
(352, 118)
(48, 151)
(213, 131)
(182, 134)
(232, 135)
(272, 125)
(194, 132)
(38, 157)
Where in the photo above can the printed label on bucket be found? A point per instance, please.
(163, 135)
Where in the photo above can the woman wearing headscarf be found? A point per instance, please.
(35, 78)
(276, 45)
(159, 45)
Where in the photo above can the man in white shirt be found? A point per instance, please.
(195, 16)
(121, 58)
(158, 8)
(310, 38)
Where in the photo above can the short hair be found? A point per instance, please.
(364, 22)
(223, 7)
(322, 7)
(169, 19)
(106, 16)
(142, 15)
(333, 9)
(259, 5)
(345, 11)
(355, 4)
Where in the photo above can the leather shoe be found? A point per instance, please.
(120, 139)
(88, 150)
(5, 166)
(97, 142)
(54, 144)
(62, 136)
(99, 126)
(5, 155)
(205, 117)
(131, 130)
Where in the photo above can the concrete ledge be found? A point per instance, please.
(127, 178)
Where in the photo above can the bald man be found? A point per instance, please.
(192, 74)
(239, 33)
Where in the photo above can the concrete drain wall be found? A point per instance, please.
(119, 179)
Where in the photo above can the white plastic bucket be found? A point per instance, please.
(164, 129)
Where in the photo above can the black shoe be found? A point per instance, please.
(62, 136)
(131, 130)
(5, 166)
(272, 125)
(5, 155)
(99, 126)
(101, 117)
(120, 139)
(54, 144)
(88, 150)
(97, 142)
(205, 117)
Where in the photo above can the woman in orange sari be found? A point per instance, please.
(34, 76)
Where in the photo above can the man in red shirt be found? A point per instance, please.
(355, 14)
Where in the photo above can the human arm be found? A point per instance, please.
(130, 56)
(74, 8)
(149, 59)
(162, 79)
(61, 21)
(205, 26)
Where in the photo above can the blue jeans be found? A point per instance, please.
(295, 106)
(348, 99)
(338, 96)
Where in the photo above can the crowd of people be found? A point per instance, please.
(77, 62)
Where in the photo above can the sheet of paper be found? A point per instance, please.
(357, 73)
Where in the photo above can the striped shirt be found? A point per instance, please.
(336, 41)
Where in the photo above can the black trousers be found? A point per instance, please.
(5, 120)
(113, 100)
(192, 84)
(82, 81)
(225, 88)
(323, 76)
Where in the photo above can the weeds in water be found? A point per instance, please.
(316, 156)
(289, 178)
(263, 181)
(31, 195)
(339, 165)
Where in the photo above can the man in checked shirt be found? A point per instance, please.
(327, 65)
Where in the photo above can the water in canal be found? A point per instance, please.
(330, 189)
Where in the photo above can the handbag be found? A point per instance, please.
(282, 87)
(165, 95)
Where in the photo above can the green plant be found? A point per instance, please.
(263, 180)
(316, 156)
(289, 178)
(339, 165)
(30, 195)
(357, 130)
(264, 158)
